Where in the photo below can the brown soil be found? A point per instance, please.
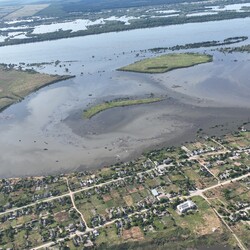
(210, 225)
(128, 199)
(134, 233)
(61, 216)
(115, 194)
(106, 198)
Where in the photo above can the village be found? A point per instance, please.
(173, 191)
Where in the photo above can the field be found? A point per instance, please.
(16, 84)
(25, 11)
(164, 63)
(117, 103)
(6, 10)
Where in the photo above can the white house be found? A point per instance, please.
(154, 192)
(185, 206)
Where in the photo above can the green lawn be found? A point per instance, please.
(164, 63)
(92, 111)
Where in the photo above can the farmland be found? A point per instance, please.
(16, 84)
(26, 11)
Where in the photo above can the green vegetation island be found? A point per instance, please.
(171, 198)
(165, 63)
(92, 111)
(15, 84)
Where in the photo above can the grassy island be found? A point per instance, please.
(16, 84)
(92, 111)
(164, 63)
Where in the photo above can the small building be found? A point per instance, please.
(96, 233)
(185, 206)
(154, 192)
(167, 161)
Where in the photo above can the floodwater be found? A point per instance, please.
(46, 133)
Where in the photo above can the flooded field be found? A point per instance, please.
(46, 133)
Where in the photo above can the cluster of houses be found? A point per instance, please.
(122, 211)
(14, 215)
(78, 240)
(224, 175)
(34, 189)
(57, 232)
(203, 151)
(144, 219)
(239, 215)
(84, 240)
(97, 220)
(234, 172)
(84, 179)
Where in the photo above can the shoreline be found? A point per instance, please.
(178, 141)
(60, 78)
(130, 148)
(205, 19)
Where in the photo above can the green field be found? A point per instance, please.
(92, 111)
(16, 84)
(164, 63)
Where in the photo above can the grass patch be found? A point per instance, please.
(164, 63)
(92, 111)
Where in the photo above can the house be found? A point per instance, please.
(167, 161)
(154, 192)
(243, 129)
(160, 169)
(96, 233)
(185, 206)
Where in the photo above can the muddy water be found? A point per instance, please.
(45, 133)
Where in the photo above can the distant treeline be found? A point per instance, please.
(227, 41)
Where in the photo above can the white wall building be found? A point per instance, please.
(185, 206)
